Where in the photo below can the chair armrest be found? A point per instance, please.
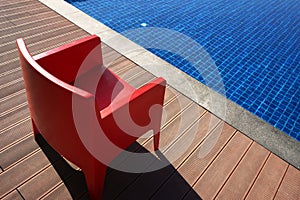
(152, 92)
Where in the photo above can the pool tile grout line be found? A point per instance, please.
(260, 131)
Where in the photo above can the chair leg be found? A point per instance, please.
(156, 141)
(95, 178)
(34, 129)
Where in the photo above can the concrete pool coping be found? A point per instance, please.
(255, 128)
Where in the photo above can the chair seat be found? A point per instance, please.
(110, 88)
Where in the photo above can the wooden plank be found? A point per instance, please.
(174, 189)
(10, 88)
(172, 107)
(125, 70)
(13, 109)
(85, 196)
(177, 182)
(245, 174)
(130, 73)
(218, 172)
(268, 181)
(145, 185)
(195, 166)
(15, 195)
(40, 46)
(207, 127)
(7, 2)
(171, 131)
(140, 80)
(3, 19)
(17, 19)
(141, 189)
(10, 77)
(21, 172)
(170, 95)
(186, 143)
(29, 25)
(46, 181)
(73, 187)
(14, 101)
(32, 31)
(6, 84)
(121, 66)
(38, 15)
(184, 130)
(118, 65)
(290, 186)
(9, 65)
(192, 195)
(14, 117)
(15, 132)
(61, 192)
(17, 5)
(13, 95)
(21, 15)
(173, 110)
(17, 152)
(76, 185)
(11, 16)
(73, 179)
(31, 39)
(111, 57)
(6, 25)
(117, 181)
(56, 41)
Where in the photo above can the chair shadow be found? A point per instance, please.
(175, 188)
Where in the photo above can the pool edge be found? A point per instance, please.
(252, 126)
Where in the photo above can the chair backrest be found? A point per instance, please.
(64, 62)
(50, 97)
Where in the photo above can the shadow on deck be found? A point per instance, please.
(74, 179)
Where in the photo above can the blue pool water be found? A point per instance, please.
(254, 44)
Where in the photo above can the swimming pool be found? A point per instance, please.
(255, 46)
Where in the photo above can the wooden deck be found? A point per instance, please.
(236, 168)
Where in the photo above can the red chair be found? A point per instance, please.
(82, 123)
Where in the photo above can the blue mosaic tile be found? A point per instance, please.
(254, 44)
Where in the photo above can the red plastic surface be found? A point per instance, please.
(48, 81)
